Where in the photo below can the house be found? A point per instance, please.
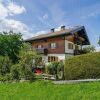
(58, 45)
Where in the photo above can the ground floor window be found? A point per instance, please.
(52, 58)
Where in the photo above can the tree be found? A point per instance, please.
(89, 49)
(26, 57)
(5, 65)
(10, 45)
(99, 41)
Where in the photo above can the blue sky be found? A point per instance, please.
(33, 17)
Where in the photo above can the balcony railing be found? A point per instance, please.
(79, 52)
(42, 50)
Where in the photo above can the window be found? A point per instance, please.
(53, 45)
(39, 46)
(52, 58)
(70, 46)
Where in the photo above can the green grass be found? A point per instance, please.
(41, 90)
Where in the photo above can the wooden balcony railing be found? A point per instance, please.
(78, 52)
(42, 50)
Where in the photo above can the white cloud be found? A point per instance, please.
(11, 24)
(45, 16)
(97, 49)
(40, 33)
(15, 26)
(58, 28)
(42, 20)
(10, 9)
(15, 9)
(3, 11)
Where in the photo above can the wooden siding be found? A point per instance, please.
(46, 44)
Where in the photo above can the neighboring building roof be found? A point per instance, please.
(58, 33)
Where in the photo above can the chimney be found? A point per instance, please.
(52, 30)
(62, 27)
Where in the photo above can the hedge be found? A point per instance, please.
(85, 66)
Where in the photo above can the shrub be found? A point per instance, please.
(51, 68)
(26, 62)
(28, 58)
(28, 74)
(83, 67)
(15, 71)
(60, 71)
(5, 65)
(55, 68)
(5, 78)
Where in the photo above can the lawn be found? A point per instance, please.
(41, 90)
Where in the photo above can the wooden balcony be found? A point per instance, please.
(42, 50)
(79, 52)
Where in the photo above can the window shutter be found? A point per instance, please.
(49, 45)
(57, 45)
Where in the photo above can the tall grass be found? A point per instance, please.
(41, 90)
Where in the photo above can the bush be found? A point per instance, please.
(55, 68)
(5, 78)
(26, 62)
(15, 71)
(85, 66)
(5, 65)
(28, 74)
(51, 68)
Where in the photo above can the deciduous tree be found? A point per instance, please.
(10, 45)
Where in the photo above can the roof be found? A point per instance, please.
(58, 33)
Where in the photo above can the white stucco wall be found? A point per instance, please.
(45, 59)
(70, 51)
(66, 47)
(60, 56)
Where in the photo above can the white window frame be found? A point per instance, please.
(53, 45)
(72, 46)
(39, 46)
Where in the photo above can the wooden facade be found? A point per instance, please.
(56, 45)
